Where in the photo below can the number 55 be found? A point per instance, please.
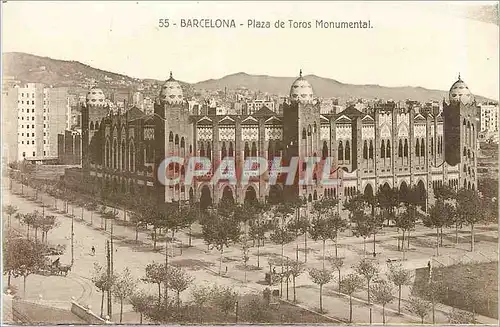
(163, 23)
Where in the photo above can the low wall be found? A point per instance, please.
(87, 315)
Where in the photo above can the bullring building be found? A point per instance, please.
(385, 147)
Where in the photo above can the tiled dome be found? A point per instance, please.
(301, 90)
(171, 92)
(459, 91)
(95, 96)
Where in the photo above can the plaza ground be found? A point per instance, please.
(203, 264)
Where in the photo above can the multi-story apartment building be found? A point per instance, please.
(255, 105)
(488, 118)
(9, 124)
(41, 115)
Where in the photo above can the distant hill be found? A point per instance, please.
(31, 68)
(323, 87)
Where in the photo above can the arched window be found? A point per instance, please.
(400, 149)
(209, 151)
(176, 139)
(465, 151)
(417, 148)
(223, 151)
(97, 125)
(347, 151)
(246, 151)
(123, 155)
(304, 134)
(422, 148)
(324, 152)
(131, 155)
(171, 137)
(91, 126)
(115, 153)
(365, 150)
(254, 149)
(309, 130)
(432, 146)
(183, 144)
(370, 150)
(202, 149)
(340, 151)
(388, 149)
(406, 148)
(382, 150)
(231, 149)
(315, 128)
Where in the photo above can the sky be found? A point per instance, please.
(417, 44)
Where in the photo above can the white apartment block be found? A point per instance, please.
(488, 117)
(42, 113)
(255, 105)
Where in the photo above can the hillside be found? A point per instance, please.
(323, 87)
(31, 68)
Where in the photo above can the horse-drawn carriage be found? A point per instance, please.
(54, 268)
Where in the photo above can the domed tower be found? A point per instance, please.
(301, 127)
(460, 132)
(173, 134)
(93, 111)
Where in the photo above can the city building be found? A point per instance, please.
(388, 146)
(488, 117)
(255, 105)
(41, 114)
(9, 124)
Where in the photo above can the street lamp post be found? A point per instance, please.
(72, 240)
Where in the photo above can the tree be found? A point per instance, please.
(470, 209)
(362, 226)
(488, 187)
(91, 207)
(406, 221)
(156, 274)
(439, 216)
(258, 229)
(369, 270)
(418, 306)
(179, 281)
(433, 292)
(10, 210)
(123, 287)
(399, 276)
(337, 263)
(136, 219)
(382, 294)
(320, 277)
(387, 199)
(47, 224)
(281, 235)
(224, 298)
(460, 317)
(245, 251)
(295, 269)
(141, 303)
(219, 230)
(349, 285)
(103, 281)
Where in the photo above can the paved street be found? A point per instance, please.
(202, 263)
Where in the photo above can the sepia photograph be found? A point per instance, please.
(249, 163)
